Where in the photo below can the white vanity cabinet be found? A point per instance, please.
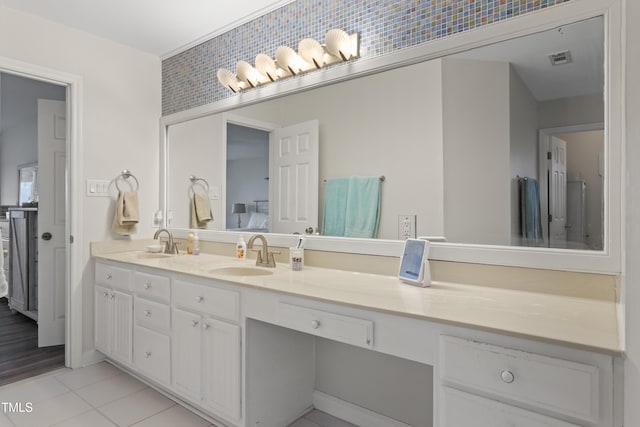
(206, 355)
(151, 335)
(499, 386)
(113, 312)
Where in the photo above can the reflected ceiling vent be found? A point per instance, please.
(560, 58)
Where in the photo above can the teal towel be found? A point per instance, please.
(363, 207)
(335, 206)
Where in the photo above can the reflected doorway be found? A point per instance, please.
(572, 160)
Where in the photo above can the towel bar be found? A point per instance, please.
(382, 179)
(124, 175)
(194, 180)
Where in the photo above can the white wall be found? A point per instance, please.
(120, 111)
(202, 158)
(631, 267)
(19, 127)
(523, 150)
(575, 110)
(476, 176)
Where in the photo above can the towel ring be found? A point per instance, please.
(124, 175)
(194, 181)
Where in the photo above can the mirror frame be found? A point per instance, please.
(605, 261)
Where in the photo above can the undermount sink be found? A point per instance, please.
(152, 255)
(242, 271)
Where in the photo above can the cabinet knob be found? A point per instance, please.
(199, 299)
(105, 294)
(147, 354)
(112, 295)
(147, 285)
(194, 323)
(108, 276)
(206, 326)
(507, 376)
(147, 313)
(315, 324)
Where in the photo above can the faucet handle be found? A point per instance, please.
(258, 256)
(175, 248)
(271, 260)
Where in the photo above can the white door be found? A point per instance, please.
(293, 178)
(51, 222)
(186, 357)
(222, 367)
(558, 193)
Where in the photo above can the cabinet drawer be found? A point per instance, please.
(115, 277)
(217, 302)
(151, 354)
(347, 329)
(152, 286)
(557, 385)
(459, 409)
(152, 315)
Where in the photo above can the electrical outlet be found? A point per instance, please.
(406, 227)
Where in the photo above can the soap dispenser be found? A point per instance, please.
(241, 248)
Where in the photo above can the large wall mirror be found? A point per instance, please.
(503, 144)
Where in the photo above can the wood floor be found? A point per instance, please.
(20, 356)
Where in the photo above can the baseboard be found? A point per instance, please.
(352, 413)
(91, 357)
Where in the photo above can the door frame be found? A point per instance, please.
(73, 213)
(544, 139)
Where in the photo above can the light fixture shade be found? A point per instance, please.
(288, 59)
(267, 66)
(228, 79)
(239, 208)
(312, 51)
(248, 74)
(338, 44)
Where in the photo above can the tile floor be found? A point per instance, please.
(102, 395)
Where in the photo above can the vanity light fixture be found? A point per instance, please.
(311, 55)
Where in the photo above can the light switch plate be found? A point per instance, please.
(98, 187)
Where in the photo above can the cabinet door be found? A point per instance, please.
(222, 367)
(186, 351)
(102, 319)
(122, 326)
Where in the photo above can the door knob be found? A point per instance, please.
(46, 236)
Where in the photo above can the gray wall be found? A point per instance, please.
(394, 387)
(19, 127)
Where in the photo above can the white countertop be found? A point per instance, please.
(585, 323)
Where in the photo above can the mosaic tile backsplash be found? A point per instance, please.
(189, 78)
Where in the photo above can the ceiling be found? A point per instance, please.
(529, 56)
(160, 27)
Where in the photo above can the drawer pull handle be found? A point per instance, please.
(147, 313)
(206, 326)
(147, 285)
(194, 323)
(507, 376)
(108, 276)
(199, 299)
(147, 354)
(315, 324)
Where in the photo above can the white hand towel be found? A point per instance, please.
(200, 211)
(125, 219)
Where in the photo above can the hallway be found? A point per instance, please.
(20, 356)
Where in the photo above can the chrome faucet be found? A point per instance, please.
(170, 246)
(265, 257)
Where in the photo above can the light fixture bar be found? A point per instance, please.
(339, 47)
